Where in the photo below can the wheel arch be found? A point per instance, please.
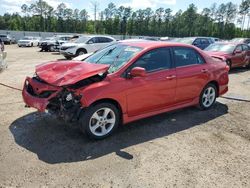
(84, 49)
(112, 101)
(214, 82)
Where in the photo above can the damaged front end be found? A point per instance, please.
(61, 101)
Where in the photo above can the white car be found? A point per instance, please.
(82, 57)
(84, 45)
(28, 42)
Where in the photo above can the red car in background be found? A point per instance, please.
(125, 82)
(235, 54)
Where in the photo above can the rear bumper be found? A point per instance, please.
(35, 101)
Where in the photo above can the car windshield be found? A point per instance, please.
(186, 40)
(229, 48)
(82, 39)
(115, 55)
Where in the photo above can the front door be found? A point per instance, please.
(156, 90)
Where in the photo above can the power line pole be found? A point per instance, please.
(95, 6)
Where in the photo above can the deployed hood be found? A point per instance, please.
(61, 73)
(219, 55)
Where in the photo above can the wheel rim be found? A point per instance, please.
(102, 122)
(81, 53)
(208, 97)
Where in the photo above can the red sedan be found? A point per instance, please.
(235, 54)
(125, 82)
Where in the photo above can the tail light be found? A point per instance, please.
(227, 68)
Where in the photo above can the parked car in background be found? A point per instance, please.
(52, 44)
(241, 40)
(1, 45)
(200, 42)
(125, 82)
(235, 54)
(84, 45)
(28, 41)
(3, 54)
(7, 39)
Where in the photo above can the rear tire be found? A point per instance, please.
(100, 121)
(208, 97)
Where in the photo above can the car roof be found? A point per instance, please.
(152, 44)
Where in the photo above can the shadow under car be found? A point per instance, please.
(56, 142)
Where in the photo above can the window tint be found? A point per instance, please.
(245, 47)
(93, 40)
(104, 40)
(238, 48)
(205, 41)
(197, 41)
(154, 60)
(187, 56)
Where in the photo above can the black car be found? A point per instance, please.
(53, 44)
(7, 39)
(200, 42)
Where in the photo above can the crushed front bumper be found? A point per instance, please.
(34, 94)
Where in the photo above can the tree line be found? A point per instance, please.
(226, 20)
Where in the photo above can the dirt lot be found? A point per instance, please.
(186, 148)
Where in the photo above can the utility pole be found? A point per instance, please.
(95, 6)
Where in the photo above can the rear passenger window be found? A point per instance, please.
(186, 57)
(155, 60)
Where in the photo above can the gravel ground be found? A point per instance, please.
(185, 148)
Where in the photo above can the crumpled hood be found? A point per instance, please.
(61, 73)
(220, 55)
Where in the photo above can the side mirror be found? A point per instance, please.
(237, 51)
(90, 42)
(138, 72)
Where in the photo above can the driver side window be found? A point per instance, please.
(154, 60)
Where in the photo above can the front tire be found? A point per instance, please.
(80, 52)
(208, 97)
(100, 121)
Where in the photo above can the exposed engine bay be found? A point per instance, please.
(59, 101)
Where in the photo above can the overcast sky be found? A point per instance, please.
(14, 5)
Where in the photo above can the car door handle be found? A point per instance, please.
(204, 70)
(171, 77)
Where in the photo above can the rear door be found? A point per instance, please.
(192, 73)
(238, 58)
(246, 52)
